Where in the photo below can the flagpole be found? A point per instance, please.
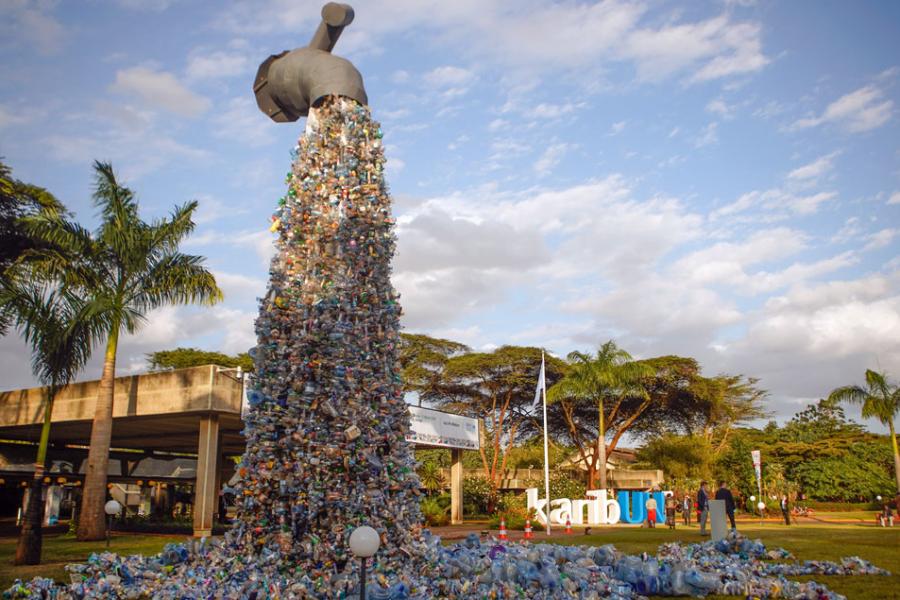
(546, 448)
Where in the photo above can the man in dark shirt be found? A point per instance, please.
(703, 506)
(723, 493)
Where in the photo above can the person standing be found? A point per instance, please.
(686, 508)
(703, 506)
(650, 505)
(671, 503)
(723, 493)
(785, 510)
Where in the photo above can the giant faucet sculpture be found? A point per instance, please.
(288, 84)
(326, 431)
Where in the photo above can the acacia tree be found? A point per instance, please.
(880, 400)
(497, 388)
(125, 269)
(61, 332)
(422, 361)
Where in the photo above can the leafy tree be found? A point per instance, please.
(497, 388)
(732, 401)
(825, 419)
(682, 458)
(816, 449)
(589, 382)
(19, 200)
(422, 361)
(182, 358)
(861, 473)
(125, 269)
(61, 331)
(880, 400)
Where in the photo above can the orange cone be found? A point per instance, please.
(503, 535)
(528, 534)
(568, 525)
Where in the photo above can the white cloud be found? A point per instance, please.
(814, 170)
(146, 5)
(848, 232)
(708, 136)
(160, 89)
(532, 37)
(881, 238)
(242, 122)
(617, 127)
(262, 241)
(719, 107)
(217, 65)
(550, 158)
(547, 111)
(712, 49)
(858, 111)
(894, 199)
(31, 24)
(449, 76)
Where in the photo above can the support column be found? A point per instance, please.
(456, 485)
(208, 459)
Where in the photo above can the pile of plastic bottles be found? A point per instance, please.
(468, 570)
(326, 448)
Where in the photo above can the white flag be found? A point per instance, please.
(540, 386)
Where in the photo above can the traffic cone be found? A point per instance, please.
(503, 535)
(528, 534)
(568, 525)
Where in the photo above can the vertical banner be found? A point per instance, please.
(757, 467)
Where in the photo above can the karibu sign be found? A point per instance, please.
(597, 509)
(436, 428)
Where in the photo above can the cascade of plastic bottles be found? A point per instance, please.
(326, 449)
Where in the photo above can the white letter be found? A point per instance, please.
(531, 495)
(562, 511)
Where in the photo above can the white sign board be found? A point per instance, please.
(435, 428)
(717, 519)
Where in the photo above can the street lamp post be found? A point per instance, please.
(111, 508)
(364, 542)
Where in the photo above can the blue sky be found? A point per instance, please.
(713, 179)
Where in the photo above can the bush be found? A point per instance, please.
(561, 486)
(477, 494)
(839, 506)
(435, 512)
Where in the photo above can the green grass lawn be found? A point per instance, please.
(806, 541)
(60, 550)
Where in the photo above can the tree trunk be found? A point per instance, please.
(28, 549)
(601, 446)
(92, 524)
(896, 455)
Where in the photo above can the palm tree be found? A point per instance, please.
(611, 372)
(880, 400)
(61, 333)
(430, 477)
(125, 269)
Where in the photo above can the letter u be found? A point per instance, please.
(634, 511)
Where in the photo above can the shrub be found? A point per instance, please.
(434, 513)
(477, 494)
